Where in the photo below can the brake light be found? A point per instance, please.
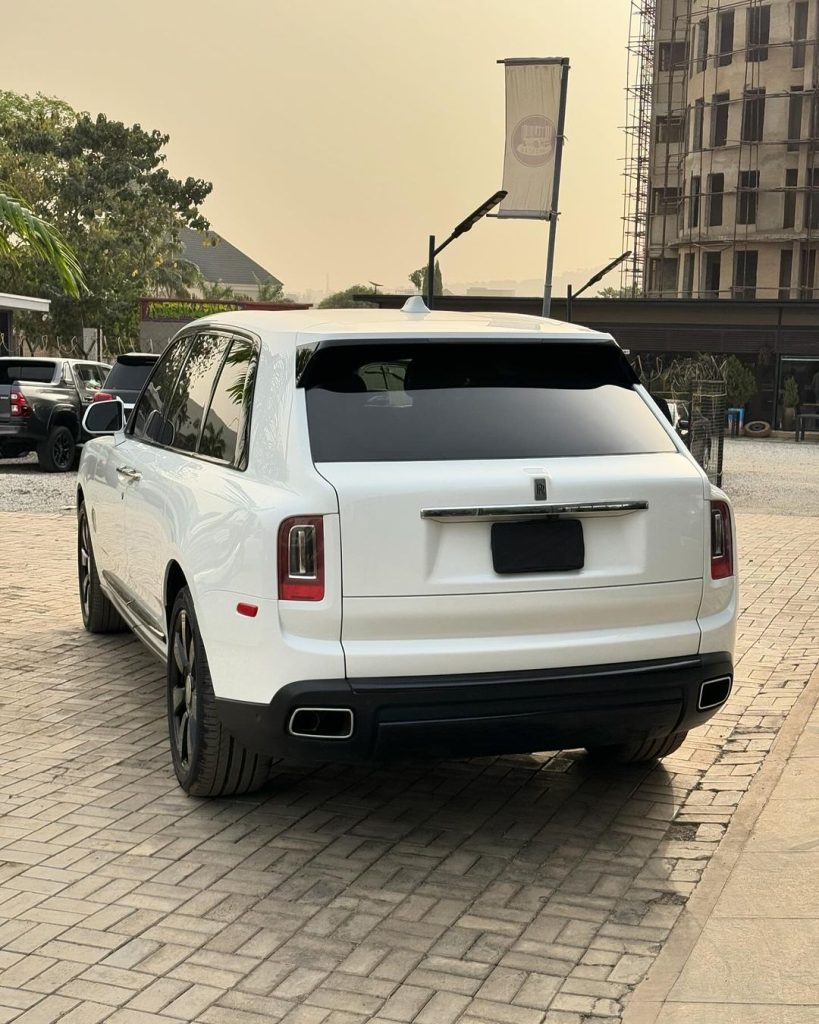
(102, 396)
(722, 541)
(19, 404)
(301, 559)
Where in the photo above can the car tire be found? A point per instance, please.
(638, 751)
(757, 428)
(98, 614)
(56, 453)
(207, 759)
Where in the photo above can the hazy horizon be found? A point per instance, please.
(338, 136)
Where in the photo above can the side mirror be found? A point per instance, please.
(104, 418)
(683, 425)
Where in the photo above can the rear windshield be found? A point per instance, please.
(128, 376)
(430, 401)
(37, 371)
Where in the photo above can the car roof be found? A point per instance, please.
(284, 328)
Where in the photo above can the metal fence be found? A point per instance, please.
(698, 413)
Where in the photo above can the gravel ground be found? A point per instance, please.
(759, 476)
(25, 488)
(775, 476)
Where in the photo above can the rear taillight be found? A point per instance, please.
(301, 559)
(102, 396)
(722, 541)
(18, 403)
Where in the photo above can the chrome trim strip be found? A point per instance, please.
(492, 513)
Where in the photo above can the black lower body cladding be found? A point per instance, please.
(487, 713)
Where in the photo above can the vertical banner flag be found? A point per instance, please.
(532, 112)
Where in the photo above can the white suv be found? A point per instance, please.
(359, 533)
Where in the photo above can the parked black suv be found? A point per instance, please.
(42, 402)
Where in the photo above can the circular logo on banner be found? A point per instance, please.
(533, 140)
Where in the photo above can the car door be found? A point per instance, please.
(89, 378)
(165, 500)
(134, 458)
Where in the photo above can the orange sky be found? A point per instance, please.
(340, 133)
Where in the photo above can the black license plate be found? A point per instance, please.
(551, 545)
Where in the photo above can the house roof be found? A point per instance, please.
(223, 261)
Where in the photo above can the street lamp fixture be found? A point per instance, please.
(465, 225)
(570, 295)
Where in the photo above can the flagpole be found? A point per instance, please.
(561, 123)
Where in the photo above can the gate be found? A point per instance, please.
(697, 413)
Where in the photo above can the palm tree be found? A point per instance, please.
(22, 230)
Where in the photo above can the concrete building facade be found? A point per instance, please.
(733, 204)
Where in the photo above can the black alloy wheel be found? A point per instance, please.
(84, 567)
(56, 453)
(207, 759)
(183, 692)
(98, 614)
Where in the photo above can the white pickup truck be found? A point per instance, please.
(359, 533)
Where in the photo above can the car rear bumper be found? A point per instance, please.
(487, 713)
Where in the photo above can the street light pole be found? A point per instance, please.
(431, 272)
(592, 280)
(461, 229)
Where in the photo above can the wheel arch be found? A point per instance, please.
(62, 417)
(175, 580)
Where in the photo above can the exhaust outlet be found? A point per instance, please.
(714, 692)
(322, 723)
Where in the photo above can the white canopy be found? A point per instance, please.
(26, 302)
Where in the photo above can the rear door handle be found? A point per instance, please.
(129, 473)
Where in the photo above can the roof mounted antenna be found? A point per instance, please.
(415, 304)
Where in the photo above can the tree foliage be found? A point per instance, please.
(740, 382)
(24, 235)
(346, 299)
(419, 279)
(103, 185)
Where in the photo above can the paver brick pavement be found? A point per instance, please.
(525, 890)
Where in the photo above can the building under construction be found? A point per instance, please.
(722, 176)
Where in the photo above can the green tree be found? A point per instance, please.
(24, 235)
(740, 382)
(610, 292)
(346, 299)
(103, 185)
(419, 279)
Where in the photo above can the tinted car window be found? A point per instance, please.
(224, 436)
(419, 401)
(89, 376)
(128, 376)
(35, 372)
(146, 420)
(193, 390)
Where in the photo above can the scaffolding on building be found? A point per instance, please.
(636, 194)
(680, 166)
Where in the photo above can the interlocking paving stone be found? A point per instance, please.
(527, 890)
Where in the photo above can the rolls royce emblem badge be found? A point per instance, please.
(540, 489)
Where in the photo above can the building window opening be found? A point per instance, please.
(711, 275)
(725, 36)
(800, 33)
(745, 265)
(795, 117)
(753, 115)
(716, 188)
(789, 211)
(785, 271)
(694, 202)
(759, 32)
(719, 119)
(747, 197)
